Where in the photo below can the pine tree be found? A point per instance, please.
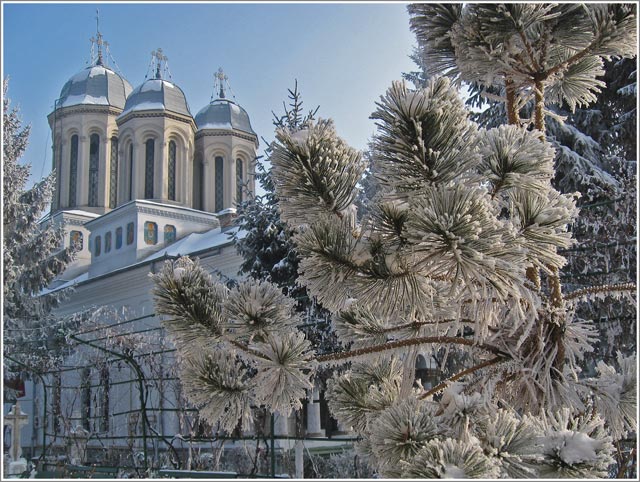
(32, 255)
(465, 220)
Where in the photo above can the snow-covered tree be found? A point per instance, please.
(465, 221)
(31, 252)
(595, 144)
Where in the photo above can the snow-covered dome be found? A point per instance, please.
(95, 85)
(157, 94)
(224, 114)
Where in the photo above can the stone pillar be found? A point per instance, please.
(138, 171)
(82, 181)
(78, 440)
(160, 171)
(313, 414)
(16, 419)
(230, 184)
(343, 430)
(299, 459)
(104, 162)
(281, 424)
(207, 186)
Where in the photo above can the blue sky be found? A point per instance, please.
(344, 56)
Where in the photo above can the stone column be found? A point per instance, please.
(16, 419)
(184, 176)
(82, 180)
(78, 440)
(230, 184)
(207, 184)
(138, 171)
(104, 163)
(281, 424)
(343, 430)
(160, 171)
(313, 414)
(64, 174)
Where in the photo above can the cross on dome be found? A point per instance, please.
(159, 58)
(98, 40)
(220, 79)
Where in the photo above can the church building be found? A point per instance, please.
(140, 180)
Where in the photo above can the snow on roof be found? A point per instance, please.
(216, 125)
(153, 84)
(84, 99)
(67, 284)
(79, 212)
(145, 106)
(196, 242)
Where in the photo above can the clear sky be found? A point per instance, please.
(344, 56)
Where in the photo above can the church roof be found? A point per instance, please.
(224, 114)
(95, 85)
(157, 94)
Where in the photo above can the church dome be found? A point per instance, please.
(224, 114)
(157, 94)
(95, 85)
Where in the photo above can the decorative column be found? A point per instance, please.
(184, 177)
(63, 174)
(207, 184)
(104, 163)
(342, 431)
(79, 437)
(281, 425)
(313, 414)
(82, 179)
(230, 183)
(138, 170)
(16, 419)
(160, 171)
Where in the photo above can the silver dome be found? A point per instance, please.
(223, 114)
(96, 85)
(157, 94)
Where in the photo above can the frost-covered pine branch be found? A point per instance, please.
(449, 257)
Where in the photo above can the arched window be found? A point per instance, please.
(150, 232)
(148, 169)
(94, 164)
(113, 178)
(118, 238)
(107, 242)
(239, 181)
(172, 171)
(130, 186)
(130, 233)
(169, 234)
(97, 246)
(73, 171)
(219, 182)
(76, 239)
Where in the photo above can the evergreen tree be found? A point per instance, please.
(464, 221)
(32, 256)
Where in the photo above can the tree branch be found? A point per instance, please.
(601, 289)
(410, 342)
(457, 376)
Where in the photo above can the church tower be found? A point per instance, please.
(85, 136)
(156, 134)
(225, 153)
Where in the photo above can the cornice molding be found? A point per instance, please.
(225, 132)
(168, 115)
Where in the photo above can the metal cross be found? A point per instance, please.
(220, 78)
(159, 58)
